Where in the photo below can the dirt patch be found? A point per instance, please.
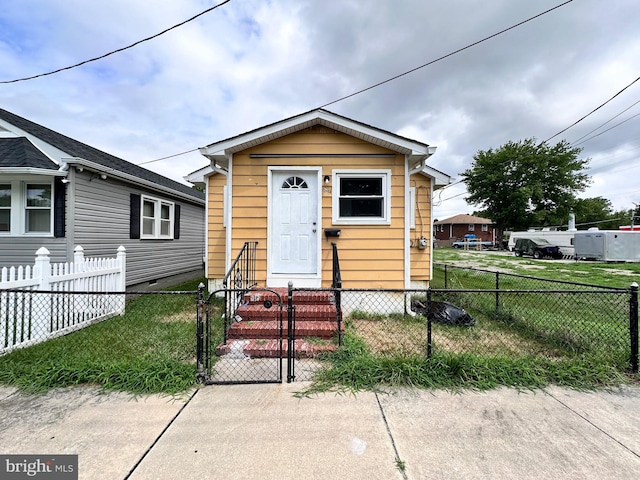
(396, 337)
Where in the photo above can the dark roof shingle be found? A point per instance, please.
(20, 152)
(81, 150)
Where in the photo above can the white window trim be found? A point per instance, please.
(18, 209)
(485, 227)
(385, 175)
(157, 219)
(472, 227)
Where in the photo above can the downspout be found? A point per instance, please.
(69, 198)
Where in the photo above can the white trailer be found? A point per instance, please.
(608, 245)
(561, 238)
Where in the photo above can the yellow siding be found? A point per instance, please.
(420, 259)
(216, 237)
(371, 256)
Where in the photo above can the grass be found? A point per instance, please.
(531, 341)
(355, 367)
(150, 349)
(617, 275)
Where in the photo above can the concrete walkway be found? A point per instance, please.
(264, 432)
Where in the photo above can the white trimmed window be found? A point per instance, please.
(157, 218)
(485, 227)
(5, 208)
(361, 197)
(26, 208)
(472, 227)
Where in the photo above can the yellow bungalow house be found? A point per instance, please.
(298, 185)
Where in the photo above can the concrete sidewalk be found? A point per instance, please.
(264, 432)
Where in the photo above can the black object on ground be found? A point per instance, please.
(443, 312)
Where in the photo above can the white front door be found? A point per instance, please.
(294, 226)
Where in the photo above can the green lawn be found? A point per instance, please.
(619, 275)
(149, 349)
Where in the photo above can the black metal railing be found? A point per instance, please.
(240, 278)
(336, 285)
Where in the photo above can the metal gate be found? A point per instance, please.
(232, 349)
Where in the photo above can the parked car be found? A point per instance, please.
(537, 248)
(471, 244)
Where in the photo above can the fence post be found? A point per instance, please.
(445, 277)
(429, 322)
(633, 326)
(200, 333)
(41, 324)
(121, 261)
(290, 335)
(497, 291)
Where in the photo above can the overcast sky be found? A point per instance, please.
(253, 62)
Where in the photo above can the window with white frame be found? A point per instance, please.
(38, 203)
(362, 197)
(5, 207)
(26, 208)
(157, 218)
(472, 227)
(485, 227)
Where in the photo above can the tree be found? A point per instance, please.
(525, 183)
(592, 212)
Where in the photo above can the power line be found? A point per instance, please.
(445, 56)
(591, 112)
(575, 142)
(168, 156)
(118, 50)
(605, 131)
(408, 71)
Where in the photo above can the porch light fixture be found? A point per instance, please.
(327, 179)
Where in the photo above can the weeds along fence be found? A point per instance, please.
(544, 326)
(149, 347)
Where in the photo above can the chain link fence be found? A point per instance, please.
(594, 326)
(135, 341)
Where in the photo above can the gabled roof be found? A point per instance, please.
(323, 117)
(20, 152)
(79, 151)
(220, 152)
(463, 219)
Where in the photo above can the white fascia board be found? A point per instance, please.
(130, 178)
(222, 149)
(439, 177)
(199, 175)
(31, 171)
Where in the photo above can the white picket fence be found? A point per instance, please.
(52, 299)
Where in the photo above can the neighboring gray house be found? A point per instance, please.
(56, 192)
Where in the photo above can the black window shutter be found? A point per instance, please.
(59, 208)
(134, 216)
(176, 222)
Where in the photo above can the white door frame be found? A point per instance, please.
(299, 280)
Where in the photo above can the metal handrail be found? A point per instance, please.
(240, 278)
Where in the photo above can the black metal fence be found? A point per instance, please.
(88, 337)
(453, 276)
(160, 333)
(598, 325)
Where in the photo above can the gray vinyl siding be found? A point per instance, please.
(100, 225)
(16, 251)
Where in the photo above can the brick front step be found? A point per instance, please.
(271, 329)
(263, 348)
(255, 297)
(303, 312)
